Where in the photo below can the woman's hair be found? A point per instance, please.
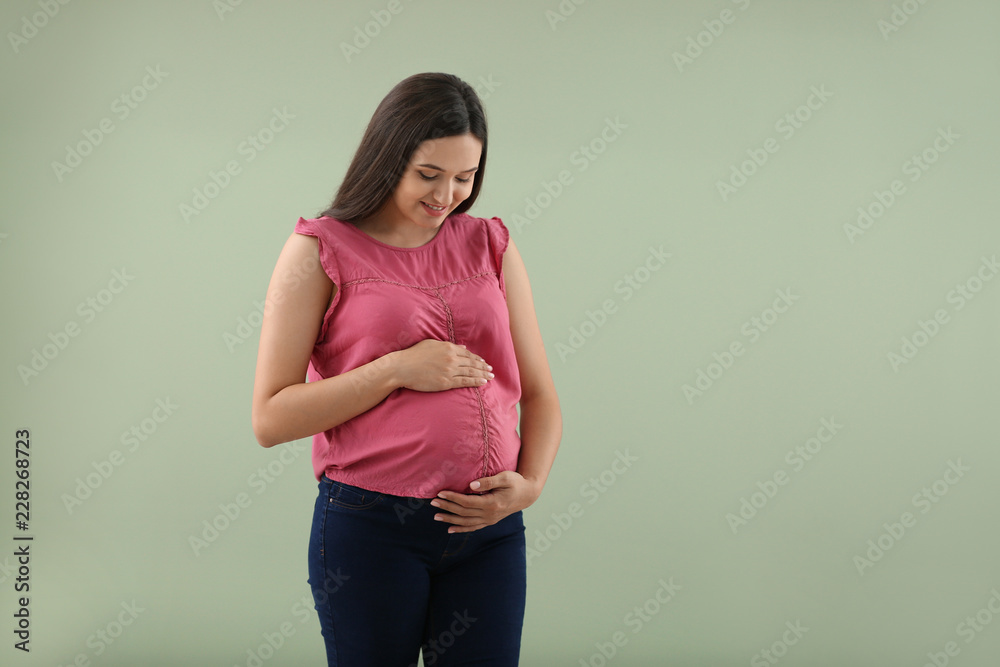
(424, 106)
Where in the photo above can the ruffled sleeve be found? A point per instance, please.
(499, 238)
(319, 228)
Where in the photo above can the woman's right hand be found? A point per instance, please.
(436, 365)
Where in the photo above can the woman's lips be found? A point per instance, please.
(432, 211)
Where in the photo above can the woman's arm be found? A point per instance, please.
(284, 406)
(541, 417)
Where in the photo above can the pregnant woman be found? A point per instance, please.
(414, 324)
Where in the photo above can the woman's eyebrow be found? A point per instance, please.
(434, 166)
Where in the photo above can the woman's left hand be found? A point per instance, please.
(502, 495)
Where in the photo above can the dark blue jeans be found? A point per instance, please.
(389, 581)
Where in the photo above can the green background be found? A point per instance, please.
(550, 88)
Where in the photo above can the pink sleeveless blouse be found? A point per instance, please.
(416, 443)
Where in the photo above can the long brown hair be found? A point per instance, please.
(431, 105)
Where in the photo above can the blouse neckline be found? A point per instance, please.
(374, 240)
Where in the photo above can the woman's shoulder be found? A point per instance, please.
(493, 226)
(488, 236)
(312, 226)
(329, 231)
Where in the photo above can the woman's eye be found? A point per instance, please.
(431, 178)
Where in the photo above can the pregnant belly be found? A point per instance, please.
(420, 441)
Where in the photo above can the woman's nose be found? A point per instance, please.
(442, 194)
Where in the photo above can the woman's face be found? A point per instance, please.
(440, 174)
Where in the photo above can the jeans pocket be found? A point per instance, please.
(351, 497)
